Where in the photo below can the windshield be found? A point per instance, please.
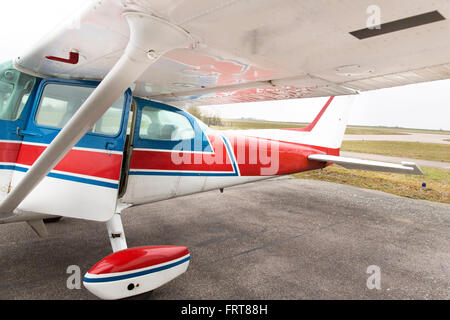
(15, 88)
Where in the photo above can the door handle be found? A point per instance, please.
(22, 133)
(110, 146)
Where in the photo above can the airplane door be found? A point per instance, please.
(16, 92)
(85, 183)
(167, 158)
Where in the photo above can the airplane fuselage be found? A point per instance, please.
(140, 151)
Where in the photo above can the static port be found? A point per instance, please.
(130, 286)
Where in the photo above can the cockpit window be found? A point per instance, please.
(60, 102)
(201, 124)
(15, 88)
(157, 124)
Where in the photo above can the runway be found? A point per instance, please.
(383, 158)
(405, 137)
(279, 239)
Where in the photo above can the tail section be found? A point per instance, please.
(328, 128)
(326, 131)
(317, 118)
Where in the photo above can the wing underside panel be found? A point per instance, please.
(258, 50)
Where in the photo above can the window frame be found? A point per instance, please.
(200, 136)
(76, 83)
(18, 111)
(165, 140)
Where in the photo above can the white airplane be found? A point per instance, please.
(92, 117)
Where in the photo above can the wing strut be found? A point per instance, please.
(150, 38)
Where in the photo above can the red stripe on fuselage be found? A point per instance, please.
(9, 151)
(177, 161)
(184, 160)
(260, 156)
(324, 150)
(90, 163)
(254, 157)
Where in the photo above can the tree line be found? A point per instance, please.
(210, 120)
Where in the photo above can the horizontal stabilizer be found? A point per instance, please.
(352, 163)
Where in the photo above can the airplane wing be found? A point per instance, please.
(257, 50)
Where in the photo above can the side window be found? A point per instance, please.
(60, 102)
(157, 124)
(15, 88)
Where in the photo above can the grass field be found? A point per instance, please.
(374, 130)
(416, 150)
(257, 124)
(437, 180)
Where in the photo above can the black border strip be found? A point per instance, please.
(402, 24)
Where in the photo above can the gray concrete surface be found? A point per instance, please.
(407, 137)
(281, 239)
(383, 158)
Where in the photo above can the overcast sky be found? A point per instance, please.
(424, 106)
(427, 106)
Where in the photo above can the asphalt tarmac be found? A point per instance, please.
(279, 239)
